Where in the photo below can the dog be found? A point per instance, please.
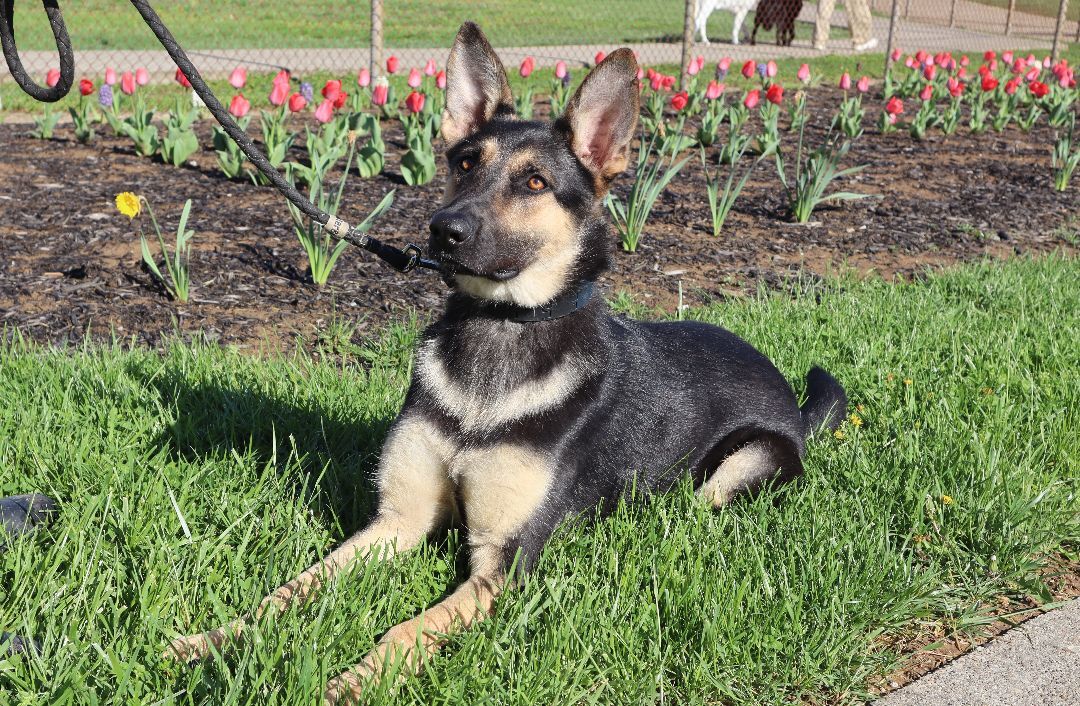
(529, 402)
(739, 8)
(780, 14)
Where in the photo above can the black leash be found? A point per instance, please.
(402, 260)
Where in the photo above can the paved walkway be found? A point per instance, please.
(1035, 664)
(932, 34)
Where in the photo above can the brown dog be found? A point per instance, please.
(780, 14)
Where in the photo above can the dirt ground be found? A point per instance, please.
(70, 264)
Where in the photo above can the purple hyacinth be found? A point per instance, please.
(307, 91)
(566, 79)
(762, 70)
(105, 96)
(721, 74)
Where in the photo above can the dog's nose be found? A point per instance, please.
(450, 228)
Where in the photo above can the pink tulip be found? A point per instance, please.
(430, 68)
(724, 64)
(392, 65)
(238, 78)
(1007, 57)
(771, 69)
(804, 73)
(926, 93)
(110, 76)
(748, 69)
(142, 77)
(656, 82)
(127, 83)
(280, 92)
(909, 62)
(239, 106)
(863, 85)
(752, 98)
(1032, 74)
(964, 61)
(527, 66)
(714, 90)
(332, 90)
(440, 80)
(640, 73)
(692, 69)
(896, 54)
(363, 78)
(845, 81)
(415, 79)
(599, 57)
(560, 70)
(700, 61)
(52, 77)
(1046, 62)
(380, 93)
(325, 112)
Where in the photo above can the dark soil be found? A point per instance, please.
(70, 264)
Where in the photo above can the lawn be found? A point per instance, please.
(193, 482)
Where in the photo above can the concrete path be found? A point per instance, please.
(1035, 664)
(932, 34)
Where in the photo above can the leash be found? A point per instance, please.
(403, 259)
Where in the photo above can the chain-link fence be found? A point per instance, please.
(340, 37)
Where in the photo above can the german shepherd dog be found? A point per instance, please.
(529, 403)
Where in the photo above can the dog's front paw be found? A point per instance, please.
(195, 647)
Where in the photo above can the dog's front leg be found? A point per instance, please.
(408, 644)
(415, 498)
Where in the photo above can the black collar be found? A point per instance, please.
(566, 303)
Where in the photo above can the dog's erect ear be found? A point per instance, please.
(602, 115)
(476, 85)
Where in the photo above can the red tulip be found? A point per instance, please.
(956, 88)
(560, 70)
(926, 93)
(363, 78)
(440, 80)
(804, 73)
(297, 103)
(896, 54)
(331, 90)
(920, 56)
(238, 77)
(668, 82)
(380, 93)
(679, 100)
(714, 90)
(527, 66)
(392, 65)
(127, 83)
(1038, 89)
(86, 87)
(748, 69)
(989, 55)
(929, 72)
(110, 75)
(656, 82)
(895, 106)
(699, 63)
(863, 85)
(775, 94)
(599, 57)
(325, 112)
(962, 73)
(752, 98)
(845, 81)
(430, 68)
(239, 106)
(415, 102)
(142, 77)
(339, 102)
(180, 78)
(989, 82)
(52, 77)
(1011, 85)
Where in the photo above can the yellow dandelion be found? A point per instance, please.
(856, 420)
(908, 381)
(946, 500)
(839, 433)
(128, 204)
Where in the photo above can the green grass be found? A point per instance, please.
(193, 482)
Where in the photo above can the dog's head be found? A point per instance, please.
(522, 219)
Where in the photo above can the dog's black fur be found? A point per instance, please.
(511, 427)
(780, 14)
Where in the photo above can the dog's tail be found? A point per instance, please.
(826, 402)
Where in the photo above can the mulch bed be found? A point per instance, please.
(70, 264)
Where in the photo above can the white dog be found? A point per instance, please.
(738, 7)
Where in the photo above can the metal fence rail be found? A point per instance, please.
(341, 37)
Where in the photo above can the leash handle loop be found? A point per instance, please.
(44, 94)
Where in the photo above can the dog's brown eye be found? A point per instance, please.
(536, 183)
(465, 164)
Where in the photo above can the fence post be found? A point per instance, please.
(376, 37)
(894, 18)
(952, 14)
(1008, 17)
(1059, 31)
(687, 40)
